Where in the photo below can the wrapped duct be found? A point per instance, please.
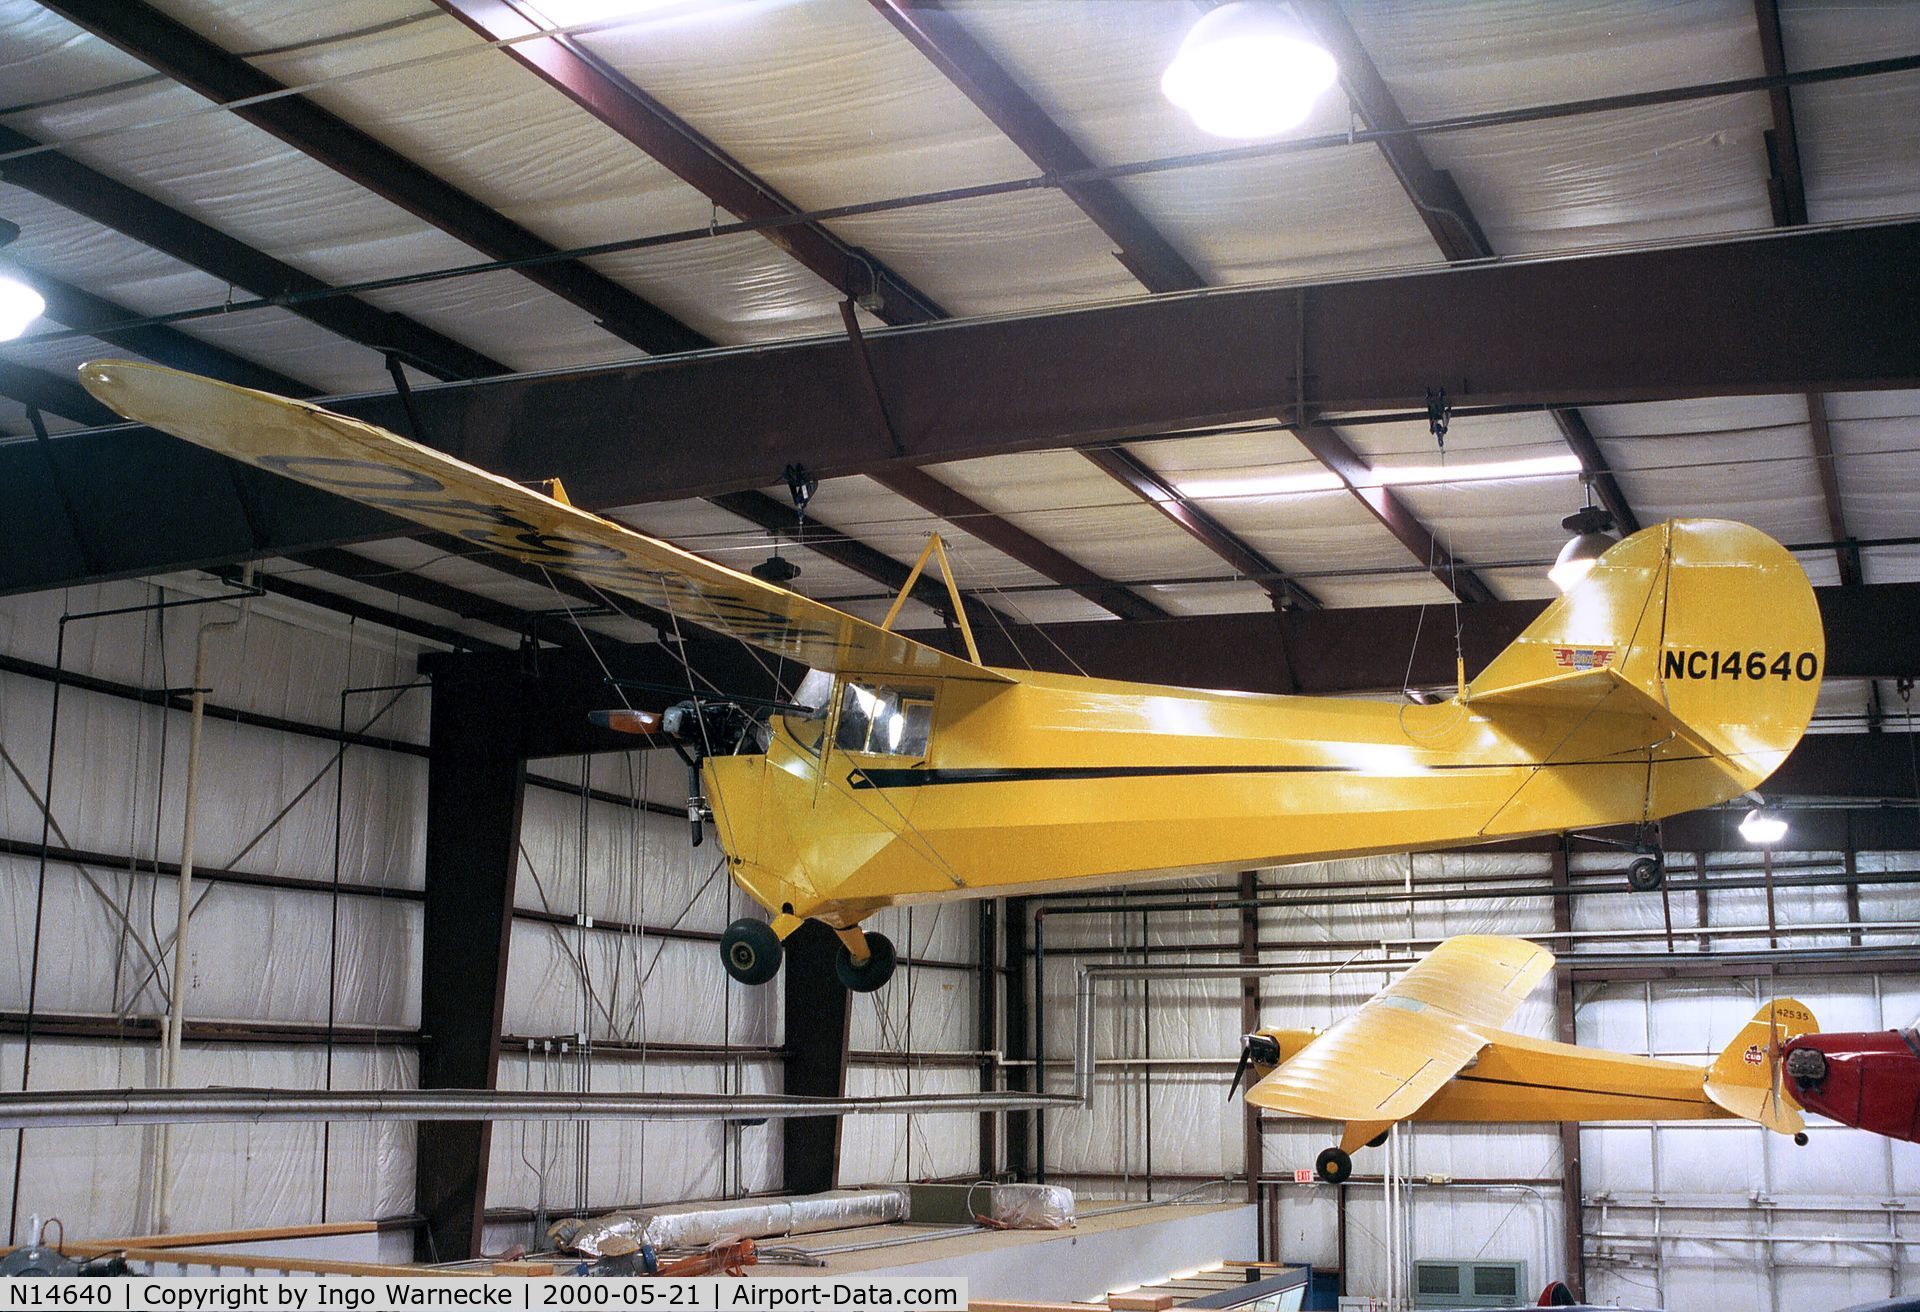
(695, 1225)
(1031, 1207)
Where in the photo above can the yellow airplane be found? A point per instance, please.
(1427, 1048)
(1679, 674)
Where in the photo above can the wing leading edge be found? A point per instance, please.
(370, 465)
(1382, 1063)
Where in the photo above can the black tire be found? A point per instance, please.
(1379, 1139)
(750, 951)
(1800, 1138)
(1647, 874)
(870, 974)
(1333, 1166)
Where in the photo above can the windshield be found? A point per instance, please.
(815, 693)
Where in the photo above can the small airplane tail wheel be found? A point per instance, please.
(750, 951)
(1333, 1166)
(868, 975)
(1646, 874)
(1800, 1138)
(1379, 1139)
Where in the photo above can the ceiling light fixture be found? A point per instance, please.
(1276, 485)
(1763, 827)
(20, 305)
(1248, 70)
(1592, 538)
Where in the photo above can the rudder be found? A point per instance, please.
(1694, 647)
(1745, 1078)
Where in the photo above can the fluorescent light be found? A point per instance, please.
(1260, 485)
(20, 305)
(1246, 70)
(1280, 485)
(578, 13)
(1763, 828)
(1537, 467)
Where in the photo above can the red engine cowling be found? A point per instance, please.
(1870, 1080)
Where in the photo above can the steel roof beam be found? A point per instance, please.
(1787, 192)
(77, 308)
(836, 546)
(960, 510)
(52, 394)
(1370, 649)
(1443, 208)
(399, 621)
(589, 82)
(602, 91)
(1812, 310)
(223, 77)
(937, 33)
(1141, 479)
(423, 590)
(73, 186)
(1331, 450)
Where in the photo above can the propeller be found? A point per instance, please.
(1262, 1048)
(624, 721)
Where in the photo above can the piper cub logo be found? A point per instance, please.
(1754, 1055)
(1583, 658)
(1751, 665)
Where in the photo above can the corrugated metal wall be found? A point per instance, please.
(658, 1011)
(1833, 1206)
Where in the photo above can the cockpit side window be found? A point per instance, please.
(885, 721)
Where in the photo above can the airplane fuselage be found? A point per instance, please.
(1062, 779)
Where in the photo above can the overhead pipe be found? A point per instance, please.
(80, 1107)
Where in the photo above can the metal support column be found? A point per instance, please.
(815, 1063)
(987, 1026)
(476, 778)
(1013, 934)
(1251, 1154)
(1570, 1185)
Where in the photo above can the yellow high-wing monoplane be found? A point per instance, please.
(1428, 1048)
(1678, 675)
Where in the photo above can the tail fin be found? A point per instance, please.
(1679, 673)
(1746, 1077)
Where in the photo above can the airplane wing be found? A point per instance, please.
(1382, 1063)
(377, 468)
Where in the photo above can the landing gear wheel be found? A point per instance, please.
(1647, 874)
(1333, 1166)
(1800, 1138)
(868, 975)
(750, 951)
(1379, 1139)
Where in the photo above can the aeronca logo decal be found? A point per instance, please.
(1583, 658)
(1753, 666)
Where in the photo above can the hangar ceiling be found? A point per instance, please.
(321, 200)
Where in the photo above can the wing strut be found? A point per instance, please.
(935, 547)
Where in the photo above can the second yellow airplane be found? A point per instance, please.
(1677, 675)
(1427, 1048)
